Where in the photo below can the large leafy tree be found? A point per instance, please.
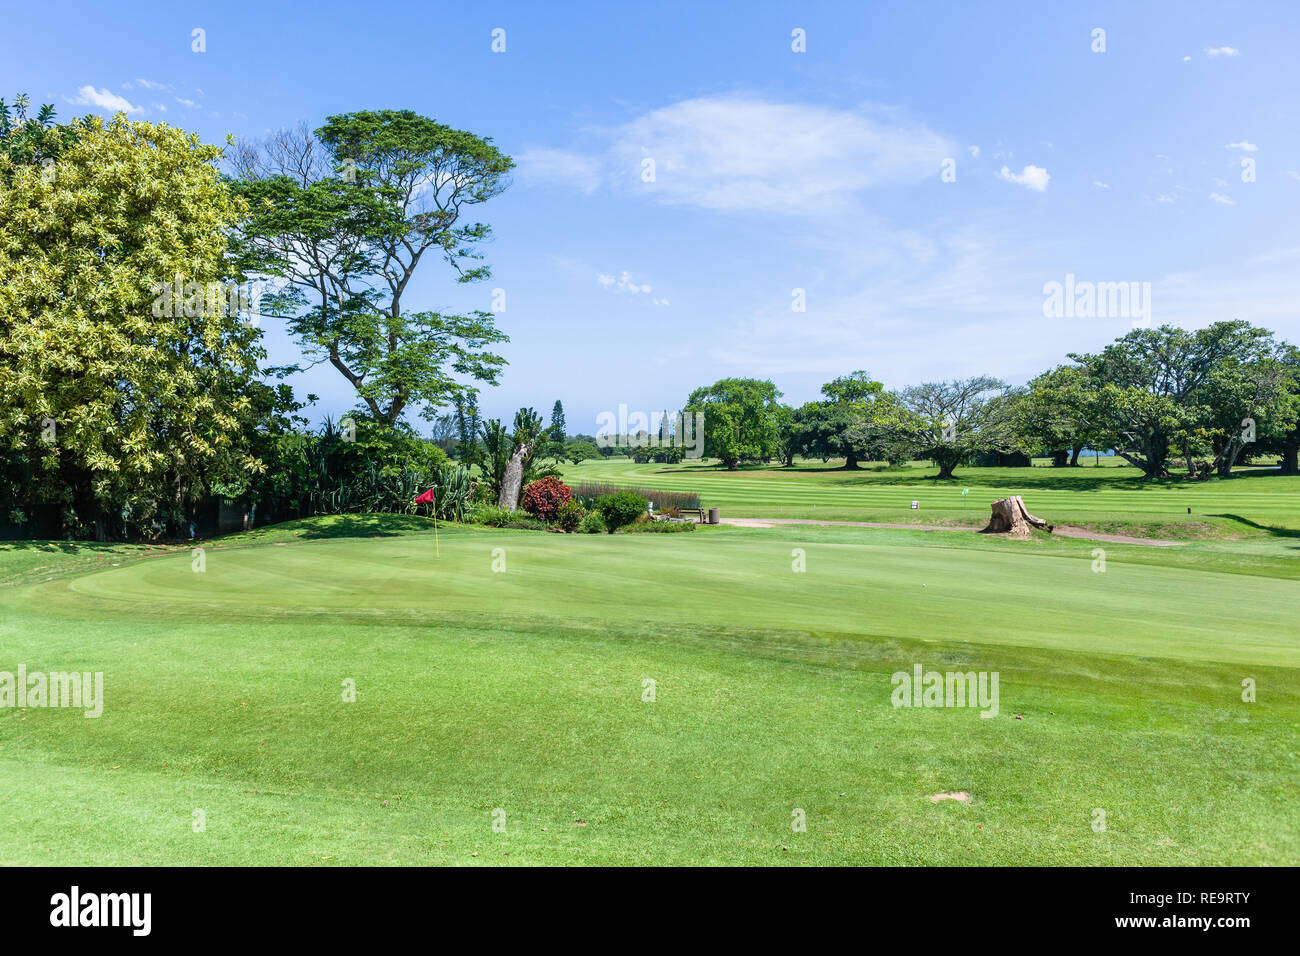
(951, 422)
(1156, 389)
(344, 217)
(118, 413)
(740, 419)
(828, 428)
(1056, 413)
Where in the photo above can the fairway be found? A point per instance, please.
(1112, 497)
(520, 694)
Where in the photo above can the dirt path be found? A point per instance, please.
(1065, 531)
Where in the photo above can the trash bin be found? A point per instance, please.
(713, 516)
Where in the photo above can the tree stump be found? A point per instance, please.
(1010, 516)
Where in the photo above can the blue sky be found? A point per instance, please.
(775, 170)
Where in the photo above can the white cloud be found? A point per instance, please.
(1186, 59)
(1293, 173)
(622, 283)
(741, 154)
(160, 107)
(89, 96)
(1100, 185)
(151, 85)
(558, 165)
(1222, 199)
(1244, 145)
(1221, 51)
(974, 152)
(657, 301)
(1166, 198)
(184, 102)
(1031, 177)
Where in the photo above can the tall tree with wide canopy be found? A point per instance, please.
(740, 419)
(124, 413)
(344, 216)
(1056, 414)
(1157, 389)
(828, 429)
(953, 421)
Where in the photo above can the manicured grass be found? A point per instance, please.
(1112, 498)
(522, 691)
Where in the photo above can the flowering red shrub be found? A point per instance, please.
(544, 496)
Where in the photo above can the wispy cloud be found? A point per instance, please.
(1245, 145)
(89, 96)
(184, 102)
(1222, 51)
(1222, 199)
(622, 283)
(1031, 177)
(1100, 185)
(746, 154)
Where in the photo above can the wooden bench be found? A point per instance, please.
(697, 513)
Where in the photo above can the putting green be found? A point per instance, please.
(647, 699)
(887, 586)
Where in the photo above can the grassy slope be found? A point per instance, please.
(523, 690)
(1109, 498)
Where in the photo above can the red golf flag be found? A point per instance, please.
(425, 499)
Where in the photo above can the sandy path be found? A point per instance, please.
(1065, 531)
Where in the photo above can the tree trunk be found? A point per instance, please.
(513, 479)
(1074, 455)
(1059, 458)
(1011, 517)
(1290, 447)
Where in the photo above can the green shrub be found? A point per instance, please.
(569, 516)
(490, 515)
(592, 524)
(621, 508)
(659, 527)
(589, 492)
(522, 522)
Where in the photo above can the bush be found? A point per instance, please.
(489, 515)
(544, 497)
(495, 517)
(659, 527)
(569, 516)
(592, 524)
(620, 508)
(589, 492)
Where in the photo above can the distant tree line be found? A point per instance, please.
(1167, 400)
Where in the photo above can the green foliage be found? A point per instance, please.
(589, 493)
(740, 419)
(593, 523)
(570, 515)
(345, 216)
(123, 416)
(557, 422)
(659, 527)
(453, 490)
(578, 452)
(621, 508)
(352, 467)
(32, 140)
(951, 422)
(494, 516)
(1166, 389)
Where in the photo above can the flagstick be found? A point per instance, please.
(437, 550)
